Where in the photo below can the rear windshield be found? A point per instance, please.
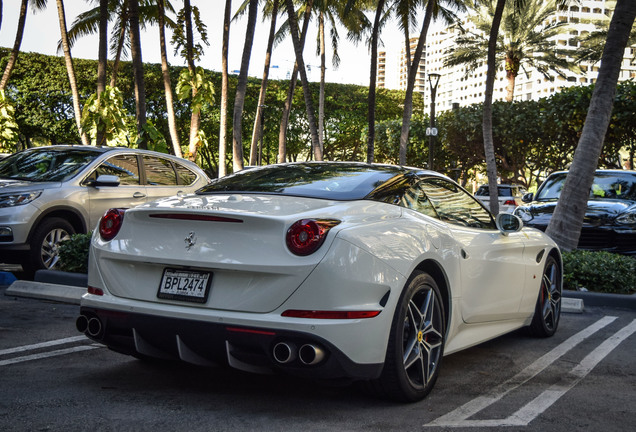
(333, 181)
(610, 185)
(44, 165)
(501, 191)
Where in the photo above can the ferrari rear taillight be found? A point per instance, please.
(510, 202)
(305, 236)
(110, 224)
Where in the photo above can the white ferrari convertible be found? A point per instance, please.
(345, 271)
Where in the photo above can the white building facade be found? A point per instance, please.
(456, 88)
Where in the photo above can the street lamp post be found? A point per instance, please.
(433, 81)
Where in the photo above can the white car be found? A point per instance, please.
(328, 270)
(509, 197)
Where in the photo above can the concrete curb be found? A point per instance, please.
(46, 291)
(64, 291)
(620, 301)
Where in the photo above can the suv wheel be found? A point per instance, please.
(45, 241)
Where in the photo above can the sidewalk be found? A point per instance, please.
(70, 287)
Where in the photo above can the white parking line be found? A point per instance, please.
(48, 354)
(459, 417)
(42, 345)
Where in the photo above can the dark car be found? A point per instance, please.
(610, 219)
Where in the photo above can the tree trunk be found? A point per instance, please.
(100, 136)
(311, 117)
(489, 146)
(408, 98)
(372, 82)
(224, 87)
(16, 45)
(195, 117)
(71, 72)
(241, 89)
(321, 98)
(120, 43)
(256, 132)
(165, 72)
(282, 134)
(138, 71)
(567, 220)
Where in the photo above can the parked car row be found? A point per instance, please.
(49, 193)
(610, 218)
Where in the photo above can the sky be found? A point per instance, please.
(42, 35)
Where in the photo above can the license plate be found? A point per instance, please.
(185, 285)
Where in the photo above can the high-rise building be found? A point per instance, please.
(381, 72)
(455, 87)
(420, 77)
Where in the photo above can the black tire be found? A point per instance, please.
(548, 309)
(416, 342)
(45, 241)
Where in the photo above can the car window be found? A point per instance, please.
(343, 181)
(455, 206)
(159, 172)
(415, 199)
(613, 185)
(46, 165)
(186, 177)
(123, 166)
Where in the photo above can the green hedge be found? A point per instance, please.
(599, 272)
(74, 253)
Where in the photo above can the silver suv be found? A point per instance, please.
(49, 193)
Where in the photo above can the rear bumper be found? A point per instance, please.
(206, 343)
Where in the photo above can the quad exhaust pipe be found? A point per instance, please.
(285, 352)
(89, 325)
(308, 354)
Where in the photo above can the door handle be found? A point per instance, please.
(139, 195)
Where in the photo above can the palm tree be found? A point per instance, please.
(138, 72)
(486, 125)
(257, 131)
(408, 98)
(16, 46)
(311, 117)
(526, 39)
(282, 134)
(165, 72)
(224, 86)
(241, 89)
(71, 72)
(567, 220)
(188, 19)
(355, 22)
(377, 24)
(102, 60)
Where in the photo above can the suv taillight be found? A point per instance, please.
(110, 223)
(305, 236)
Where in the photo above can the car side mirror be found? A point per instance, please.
(526, 198)
(105, 180)
(508, 223)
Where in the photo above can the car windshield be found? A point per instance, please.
(501, 191)
(337, 181)
(44, 165)
(614, 185)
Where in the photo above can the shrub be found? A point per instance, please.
(74, 253)
(599, 272)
